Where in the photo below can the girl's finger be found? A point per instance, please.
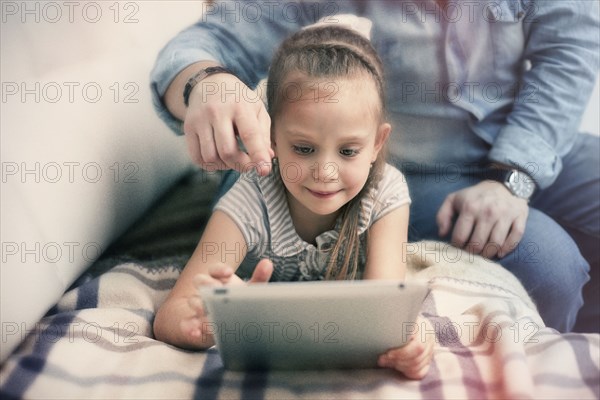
(196, 305)
(205, 280)
(191, 327)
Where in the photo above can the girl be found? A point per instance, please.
(331, 207)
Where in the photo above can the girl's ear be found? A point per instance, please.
(273, 141)
(383, 133)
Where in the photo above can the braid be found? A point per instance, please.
(338, 56)
(323, 52)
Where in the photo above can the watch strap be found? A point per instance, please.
(497, 174)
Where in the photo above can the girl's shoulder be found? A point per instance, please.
(390, 193)
(392, 171)
(253, 195)
(254, 185)
(392, 180)
(251, 203)
(391, 190)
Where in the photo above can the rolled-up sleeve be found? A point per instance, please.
(239, 35)
(562, 46)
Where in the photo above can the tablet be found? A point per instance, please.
(310, 325)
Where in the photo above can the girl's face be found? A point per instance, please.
(325, 141)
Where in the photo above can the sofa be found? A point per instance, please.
(83, 153)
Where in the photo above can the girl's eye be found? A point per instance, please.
(348, 152)
(302, 149)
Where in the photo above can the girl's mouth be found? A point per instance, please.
(322, 195)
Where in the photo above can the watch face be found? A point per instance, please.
(520, 184)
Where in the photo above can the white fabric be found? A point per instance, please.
(359, 24)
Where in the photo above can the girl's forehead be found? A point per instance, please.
(358, 95)
(350, 114)
(328, 89)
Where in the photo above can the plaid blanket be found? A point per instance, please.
(97, 343)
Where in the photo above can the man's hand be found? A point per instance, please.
(491, 220)
(221, 110)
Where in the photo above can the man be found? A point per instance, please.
(486, 99)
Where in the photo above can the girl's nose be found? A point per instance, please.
(325, 171)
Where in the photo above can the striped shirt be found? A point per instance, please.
(258, 206)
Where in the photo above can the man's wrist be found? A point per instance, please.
(198, 77)
(517, 181)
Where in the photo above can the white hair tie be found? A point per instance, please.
(361, 25)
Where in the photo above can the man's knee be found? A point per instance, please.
(550, 266)
(547, 253)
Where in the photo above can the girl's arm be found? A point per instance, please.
(179, 320)
(386, 245)
(386, 260)
(222, 244)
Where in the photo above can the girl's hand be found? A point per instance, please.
(180, 321)
(412, 359)
(195, 326)
(222, 274)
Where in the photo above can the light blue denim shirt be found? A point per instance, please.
(520, 72)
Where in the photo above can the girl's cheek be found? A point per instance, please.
(294, 171)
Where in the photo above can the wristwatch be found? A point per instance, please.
(518, 182)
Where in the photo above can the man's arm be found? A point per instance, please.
(561, 43)
(244, 43)
(173, 97)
